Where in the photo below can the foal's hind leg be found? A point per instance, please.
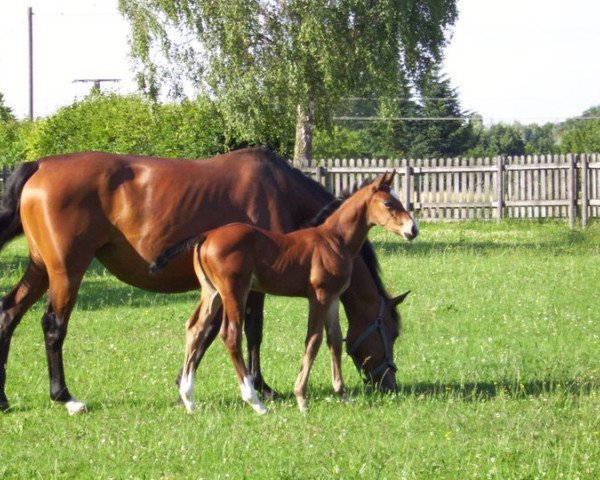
(30, 288)
(197, 326)
(334, 342)
(231, 334)
(211, 331)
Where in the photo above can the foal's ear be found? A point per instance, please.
(399, 299)
(384, 179)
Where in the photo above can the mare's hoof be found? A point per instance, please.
(270, 395)
(4, 406)
(75, 407)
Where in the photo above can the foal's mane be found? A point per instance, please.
(316, 189)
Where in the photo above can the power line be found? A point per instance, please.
(404, 119)
(435, 119)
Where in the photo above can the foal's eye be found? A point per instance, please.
(387, 204)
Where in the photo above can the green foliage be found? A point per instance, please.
(582, 134)
(444, 137)
(131, 125)
(498, 369)
(499, 139)
(14, 141)
(396, 132)
(6, 114)
(262, 60)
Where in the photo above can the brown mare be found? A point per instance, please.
(125, 210)
(315, 263)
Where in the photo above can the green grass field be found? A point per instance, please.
(499, 368)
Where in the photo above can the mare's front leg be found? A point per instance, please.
(318, 311)
(334, 342)
(201, 321)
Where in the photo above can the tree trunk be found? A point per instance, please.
(305, 120)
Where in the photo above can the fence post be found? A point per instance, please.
(572, 189)
(408, 181)
(500, 188)
(319, 173)
(584, 190)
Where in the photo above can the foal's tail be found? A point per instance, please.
(173, 251)
(10, 218)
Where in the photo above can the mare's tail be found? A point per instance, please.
(10, 218)
(173, 251)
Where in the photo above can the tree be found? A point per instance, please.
(6, 114)
(582, 134)
(446, 134)
(275, 64)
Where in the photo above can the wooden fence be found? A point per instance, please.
(538, 186)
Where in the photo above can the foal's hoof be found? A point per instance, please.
(75, 407)
(302, 405)
(190, 406)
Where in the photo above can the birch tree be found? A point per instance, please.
(278, 65)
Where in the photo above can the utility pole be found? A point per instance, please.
(30, 22)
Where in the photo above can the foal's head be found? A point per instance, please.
(386, 210)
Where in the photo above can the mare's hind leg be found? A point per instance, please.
(61, 299)
(197, 326)
(334, 342)
(253, 327)
(30, 288)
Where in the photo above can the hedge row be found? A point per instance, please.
(119, 124)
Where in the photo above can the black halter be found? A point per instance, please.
(376, 326)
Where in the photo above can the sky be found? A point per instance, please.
(527, 61)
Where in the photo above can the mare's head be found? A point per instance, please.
(370, 344)
(386, 210)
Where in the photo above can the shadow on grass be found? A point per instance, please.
(464, 392)
(420, 248)
(491, 390)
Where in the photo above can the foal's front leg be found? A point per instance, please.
(318, 311)
(334, 342)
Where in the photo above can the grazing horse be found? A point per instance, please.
(315, 263)
(124, 210)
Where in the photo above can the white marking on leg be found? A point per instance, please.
(75, 406)
(249, 396)
(186, 391)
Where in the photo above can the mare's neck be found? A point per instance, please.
(348, 224)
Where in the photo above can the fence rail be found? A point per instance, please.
(537, 186)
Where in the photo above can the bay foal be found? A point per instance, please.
(314, 263)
